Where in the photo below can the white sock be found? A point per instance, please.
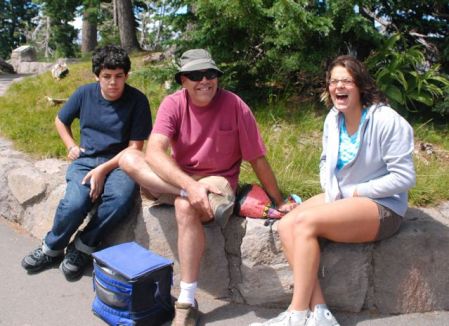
(187, 294)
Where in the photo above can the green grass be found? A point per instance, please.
(292, 137)
(292, 132)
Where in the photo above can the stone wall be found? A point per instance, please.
(244, 262)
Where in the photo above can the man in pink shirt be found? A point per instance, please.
(209, 131)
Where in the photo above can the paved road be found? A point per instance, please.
(7, 79)
(48, 299)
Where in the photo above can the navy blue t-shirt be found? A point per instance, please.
(107, 126)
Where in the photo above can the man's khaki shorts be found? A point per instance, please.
(222, 205)
(220, 182)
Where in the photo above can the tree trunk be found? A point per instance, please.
(126, 25)
(89, 31)
(114, 12)
(47, 38)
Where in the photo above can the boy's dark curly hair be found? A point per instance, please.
(369, 93)
(110, 57)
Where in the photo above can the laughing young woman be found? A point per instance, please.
(366, 170)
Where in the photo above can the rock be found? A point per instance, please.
(158, 232)
(10, 208)
(32, 67)
(154, 57)
(266, 276)
(344, 275)
(6, 67)
(26, 184)
(38, 218)
(24, 53)
(60, 69)
(52, 167)
(410, 270)
(22, 56)
(406, 273)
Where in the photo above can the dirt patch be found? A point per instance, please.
(427, 152)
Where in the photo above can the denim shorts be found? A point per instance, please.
(390, 222)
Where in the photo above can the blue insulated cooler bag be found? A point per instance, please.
(132, 286)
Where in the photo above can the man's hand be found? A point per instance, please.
(287, 207)
(197, 195)
(96, 180)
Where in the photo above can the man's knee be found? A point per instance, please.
(185, 213)
(130, 160)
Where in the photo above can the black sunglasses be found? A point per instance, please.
(198, 75)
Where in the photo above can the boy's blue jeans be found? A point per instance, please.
(113, 205)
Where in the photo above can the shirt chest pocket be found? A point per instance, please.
(227, 141)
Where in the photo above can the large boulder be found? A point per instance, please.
(24, 53)
(23, 60)
(410, 270)
(26, 184)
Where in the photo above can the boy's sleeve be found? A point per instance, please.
(142, 122)
(71, 109)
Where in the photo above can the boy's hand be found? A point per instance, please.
(96, 180)
(74, 152)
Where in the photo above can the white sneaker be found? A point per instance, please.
(322, 317)
(286, 318)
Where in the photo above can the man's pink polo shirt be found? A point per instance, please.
(211, 140)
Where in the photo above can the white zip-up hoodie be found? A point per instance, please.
(383, 168)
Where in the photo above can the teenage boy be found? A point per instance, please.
(113, 117)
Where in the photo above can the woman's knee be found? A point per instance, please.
(300, 222)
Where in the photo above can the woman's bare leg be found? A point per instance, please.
(347, 220)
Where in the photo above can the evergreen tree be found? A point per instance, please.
(89, 29)
(127, 25)
(63, 34)
(15, 20)
(419, 21)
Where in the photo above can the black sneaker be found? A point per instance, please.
(37, 261)
(74, 263)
